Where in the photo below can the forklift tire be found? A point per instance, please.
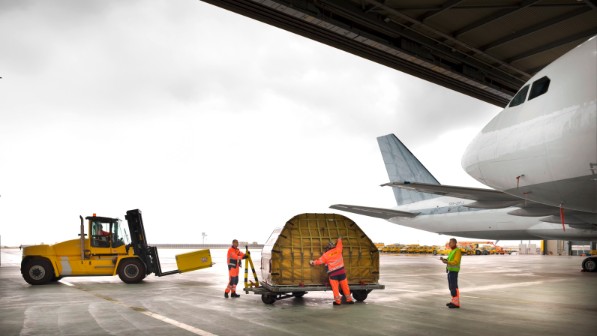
(360, 295)
(131, 270)
(38, 271)
(268, 299)
(299, 294)
(589, 264)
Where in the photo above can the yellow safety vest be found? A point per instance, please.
(451, 256)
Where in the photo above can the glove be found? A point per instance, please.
(245, 256)
(311, 262)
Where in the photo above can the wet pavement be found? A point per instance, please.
(501, 295)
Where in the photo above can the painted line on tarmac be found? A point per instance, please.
(146, 312)
(405, 290)
(66, 283)
(476, 289)
(180, 325)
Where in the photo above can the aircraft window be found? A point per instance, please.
(520, 97)
(539, 87)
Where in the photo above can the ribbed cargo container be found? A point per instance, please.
(285, 257)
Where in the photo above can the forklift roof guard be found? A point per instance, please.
(102, 219)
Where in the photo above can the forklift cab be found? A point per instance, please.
(107, 232)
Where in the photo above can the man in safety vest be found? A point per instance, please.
(332, 258)
(234, 258)
(452, 268)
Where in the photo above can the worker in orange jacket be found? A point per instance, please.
(332, 258)
(234, 258)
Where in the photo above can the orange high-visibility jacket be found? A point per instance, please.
(234, 258)
(332, 258)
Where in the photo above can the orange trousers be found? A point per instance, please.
(456, 299)
(336, 290)
(232, 282)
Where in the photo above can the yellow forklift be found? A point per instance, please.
(107, 251)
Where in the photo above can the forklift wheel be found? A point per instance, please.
(268, 299)
(131, 270)
(38, 271)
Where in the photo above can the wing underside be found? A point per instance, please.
(494, 199)
(374, 212)
(483, 199)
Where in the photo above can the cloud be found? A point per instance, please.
(204, 119)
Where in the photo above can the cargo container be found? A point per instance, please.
(285, 257)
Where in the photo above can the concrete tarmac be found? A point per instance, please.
(501, 295)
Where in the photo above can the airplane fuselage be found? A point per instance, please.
(543, 146)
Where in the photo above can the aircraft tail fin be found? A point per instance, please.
(403, 166)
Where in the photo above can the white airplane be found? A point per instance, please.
(519, 138)
(543, 145)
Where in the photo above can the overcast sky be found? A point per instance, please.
(205, 120)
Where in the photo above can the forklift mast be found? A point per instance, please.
(148, 254)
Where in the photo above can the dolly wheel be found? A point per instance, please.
(268, 299)
(131, 270)
(299, 294)
(360, 295)
(38, 271)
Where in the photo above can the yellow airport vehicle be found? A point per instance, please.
(393, 248)
(413, 248)
(430, 250)
(421, 249)
(444, 251)
(106, 251)
(388, 249)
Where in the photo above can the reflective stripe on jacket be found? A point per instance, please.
(454, 260)
(332, 258)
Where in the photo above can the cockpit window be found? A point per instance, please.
(520, 97)
(540, 86)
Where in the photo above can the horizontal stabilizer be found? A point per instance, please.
(374, 212)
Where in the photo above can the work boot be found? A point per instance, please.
(336, 303)
(350, 302)
(226, 295)
(451, 305)
(234, 295)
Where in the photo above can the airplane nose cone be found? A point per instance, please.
(470, 160)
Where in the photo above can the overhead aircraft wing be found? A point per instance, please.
(374, 212)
